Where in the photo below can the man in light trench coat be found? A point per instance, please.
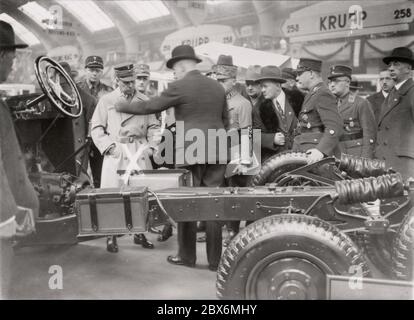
(121, 137)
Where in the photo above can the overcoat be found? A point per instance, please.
(110, 127)
(376, 100)
(395, 137)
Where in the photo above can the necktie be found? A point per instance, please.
(279, 108)
(338, 102)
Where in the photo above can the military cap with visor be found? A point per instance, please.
(143, 70)
(337, 71)
(306, 64)
(125, 71)
(94, 62)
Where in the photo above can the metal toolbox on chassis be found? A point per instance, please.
(161, 179)
(112, 211)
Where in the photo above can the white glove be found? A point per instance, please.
(314, 155)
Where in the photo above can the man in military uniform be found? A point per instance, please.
(319, 125)
(275, 116)
(386, 84)
(93, 73)
(359, 121)
(16, 190)
(116, 133)
(93, 85)
(395, 138)
(143, 80)
(240, 117)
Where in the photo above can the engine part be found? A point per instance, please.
(369, 189)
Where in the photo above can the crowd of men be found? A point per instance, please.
(295, 110)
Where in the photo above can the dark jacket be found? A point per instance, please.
(395, 137)
(320, 124)
(376, 100)
(15, 186)
(199, 102)
(98, 91)
(269, 121)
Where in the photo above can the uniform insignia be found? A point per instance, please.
(332, 132)
(308, 125)
(371, 141)
(305, 117)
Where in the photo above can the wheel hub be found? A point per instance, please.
(288, 279)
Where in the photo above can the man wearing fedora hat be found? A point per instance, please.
(395, 139)
(16, 190)
(358, 119)
(319, 125)
(200, 103)
(120, 136)
(275, 115)
(253, 88)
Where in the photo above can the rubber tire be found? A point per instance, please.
(277, 165)
(403, 251)
(277, 233)
(378, 249)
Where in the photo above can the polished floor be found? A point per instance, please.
(90, 272)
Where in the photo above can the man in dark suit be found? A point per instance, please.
(16, 190)
(275, 116)
(377, 99)
(200, 103)
(395, 138)
(320, 124)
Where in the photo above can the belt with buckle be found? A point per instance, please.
(312, 130)
(351, 136)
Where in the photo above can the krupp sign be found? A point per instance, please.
(195, 36)
(350, 18)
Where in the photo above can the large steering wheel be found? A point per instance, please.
(49, 74)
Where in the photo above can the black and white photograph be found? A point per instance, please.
(222, 152)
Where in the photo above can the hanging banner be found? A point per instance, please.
(198, 35)
(355, 19)
(69, 54)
